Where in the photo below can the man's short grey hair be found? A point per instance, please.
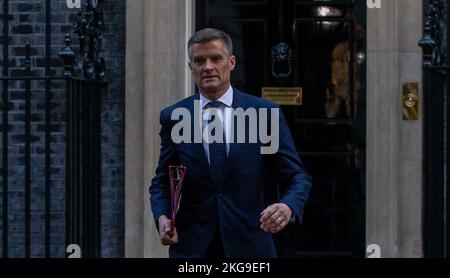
(210, 34)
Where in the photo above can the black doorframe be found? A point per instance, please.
(436, 80)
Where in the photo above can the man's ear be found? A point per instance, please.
(190, 66)
(233, 62)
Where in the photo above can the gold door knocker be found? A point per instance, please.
(411, 101)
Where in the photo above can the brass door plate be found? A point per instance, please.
(411, 101)
(283, 95)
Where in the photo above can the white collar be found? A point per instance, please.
(226, 98)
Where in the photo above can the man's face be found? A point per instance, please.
(211, 66)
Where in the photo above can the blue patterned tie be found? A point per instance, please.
(217, 152)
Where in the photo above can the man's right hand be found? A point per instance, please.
(167, 236)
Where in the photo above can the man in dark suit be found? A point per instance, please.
(222, 212)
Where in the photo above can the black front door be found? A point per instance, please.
(436, 117)
(327, 42)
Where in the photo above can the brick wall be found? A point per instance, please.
(27, 24)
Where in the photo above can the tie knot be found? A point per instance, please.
(214, 104)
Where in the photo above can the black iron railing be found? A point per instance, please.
(85, 83)
(26, 78)
(83, 187)
(27, 161)
(85, 79)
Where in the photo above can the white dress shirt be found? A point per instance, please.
(226, 101)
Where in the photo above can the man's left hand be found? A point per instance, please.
(275, 217)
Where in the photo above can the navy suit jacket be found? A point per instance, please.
(235, 205)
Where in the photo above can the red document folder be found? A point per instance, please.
(176, 177)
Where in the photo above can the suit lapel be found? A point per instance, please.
(198, 147)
